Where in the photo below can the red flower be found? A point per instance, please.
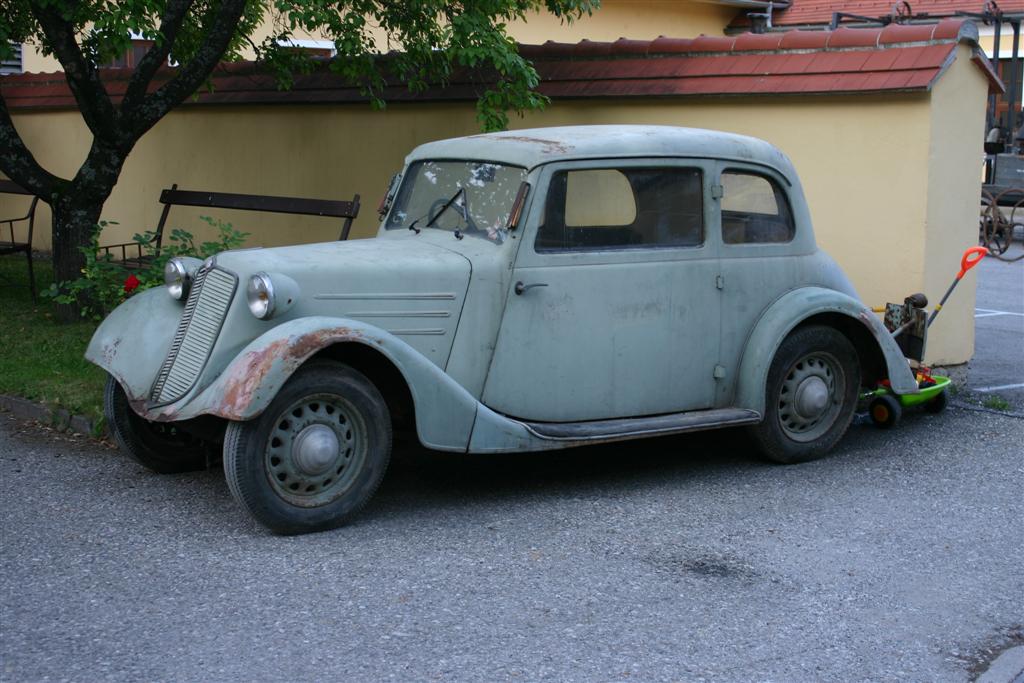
(131, 283)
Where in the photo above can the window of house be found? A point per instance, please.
(132, 56)
(313, 48)
(754, 210)
(623, 208)
(13, 64)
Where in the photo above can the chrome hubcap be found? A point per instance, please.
(315, 448)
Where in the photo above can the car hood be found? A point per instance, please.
(414, 291)
(363, 265)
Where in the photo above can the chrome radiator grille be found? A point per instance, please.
(200, 324)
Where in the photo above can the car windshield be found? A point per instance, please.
(464, 197)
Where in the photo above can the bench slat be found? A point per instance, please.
(251, 202)
(11, 187)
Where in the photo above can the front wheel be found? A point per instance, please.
(159, 446)
(316, 455)
(810, 395)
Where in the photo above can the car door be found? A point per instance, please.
(614, 310)
(759, 264)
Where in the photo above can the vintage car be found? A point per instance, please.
(527, 290)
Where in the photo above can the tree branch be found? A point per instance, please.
(156, 56)
(191, 75)
(18, 163)
(83, 77)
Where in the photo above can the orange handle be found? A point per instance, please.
(966, 263)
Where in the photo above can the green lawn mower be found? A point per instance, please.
(909, 325)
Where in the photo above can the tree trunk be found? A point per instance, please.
(73, 225)
(76, 213)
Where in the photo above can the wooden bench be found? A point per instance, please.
(328, 208)
(13, 245)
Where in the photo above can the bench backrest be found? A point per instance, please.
(11, 187)
(330, 208)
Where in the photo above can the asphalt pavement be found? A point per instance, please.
(996, 373)
(896, 559)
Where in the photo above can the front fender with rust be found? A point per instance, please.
(445, 411)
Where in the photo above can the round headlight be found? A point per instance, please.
(260, 294)
(177, 279)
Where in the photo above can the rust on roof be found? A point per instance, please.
(846, 61)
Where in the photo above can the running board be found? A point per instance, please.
(631, 428)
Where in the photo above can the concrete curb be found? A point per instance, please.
(59, 418)
(1007, 668)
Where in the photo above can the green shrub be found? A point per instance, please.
(106, 283)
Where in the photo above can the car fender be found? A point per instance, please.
(132, 342)
(785, 314)
(445, 411)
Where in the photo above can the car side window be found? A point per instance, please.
(754, 210)
(622, 208)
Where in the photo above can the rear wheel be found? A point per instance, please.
(316, 455)
(159, 446)
(810, 395)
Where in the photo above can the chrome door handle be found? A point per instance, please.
(520, 287)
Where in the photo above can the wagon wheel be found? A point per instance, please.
(1017, 217)
(994, 231)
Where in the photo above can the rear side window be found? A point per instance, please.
(754, 210)
(623, 208)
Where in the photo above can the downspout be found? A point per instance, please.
(1014, 94)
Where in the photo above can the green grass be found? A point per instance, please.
(996, 402)
(41, 359)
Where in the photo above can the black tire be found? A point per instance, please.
(316, 455)
(815, 371)
(159, 446)
(885, 411)
(937, 404)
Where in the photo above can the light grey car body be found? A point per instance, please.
(615, 344)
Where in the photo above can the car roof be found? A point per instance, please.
(535, 146)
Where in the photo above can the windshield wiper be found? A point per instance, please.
(446, 205)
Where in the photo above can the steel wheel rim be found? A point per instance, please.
(297, 459)
(803, 413)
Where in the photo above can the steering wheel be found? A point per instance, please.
(460, 209)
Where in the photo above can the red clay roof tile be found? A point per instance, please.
(853, 37)
(844, 61)
(906, 33)
(803, 40)
(819, 12)
(757, 41)
(666, 45)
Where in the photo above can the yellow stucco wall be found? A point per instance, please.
(954, 179)
(34, 61)
(892, 181)
(640, 19)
